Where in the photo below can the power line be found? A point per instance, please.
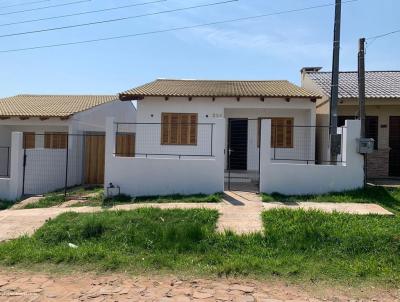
(384, 35)
(43, 7)
(24, 3)
(173, 28)
(82, 13)
(116, 19)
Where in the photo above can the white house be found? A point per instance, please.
(196, 136)
(51, 125)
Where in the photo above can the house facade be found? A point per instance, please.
(196, 136)
(63, 139)
(382, 112)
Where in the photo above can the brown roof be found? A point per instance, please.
(50, 105)
(207, 88)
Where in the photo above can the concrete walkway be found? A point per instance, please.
(240, 212)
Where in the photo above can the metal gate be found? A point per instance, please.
(57, 161)
(243, 155)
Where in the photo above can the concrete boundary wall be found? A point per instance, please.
(300, 179)
(165, 176)
(11, 187)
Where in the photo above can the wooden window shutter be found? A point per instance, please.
(125, 144)
(165, 128)
(288, 133)
(29, 140)
(193, 129)
(55, 140)
(179, 128)
(282, 133)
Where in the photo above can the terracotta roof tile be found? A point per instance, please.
(50, 105)
(207, 88)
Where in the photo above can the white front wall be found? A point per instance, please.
(300, 179)
(138, 176)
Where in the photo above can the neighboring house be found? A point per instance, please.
(192, 136)
(382, 112)
(52, 124)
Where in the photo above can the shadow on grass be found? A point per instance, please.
(389, 198)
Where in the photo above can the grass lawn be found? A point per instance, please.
(296, 245)
(389, 198)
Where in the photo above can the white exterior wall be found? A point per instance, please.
(11, 187)
(300, 179)
(165, 176)
(149, 111)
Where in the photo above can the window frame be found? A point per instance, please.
(133, 147)
(167, 125)
(51, 140)
(29, 144)
(273, 145)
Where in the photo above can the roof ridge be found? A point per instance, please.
(355, 71)
(203, 80)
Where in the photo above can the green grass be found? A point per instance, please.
(57, 198)
(4, 204)
(125, 199)
(296, 245)
(389, 198)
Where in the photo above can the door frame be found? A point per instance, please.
(390, 146)
(87, 135)
(228, 153)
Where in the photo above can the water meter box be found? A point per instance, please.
(366, 145)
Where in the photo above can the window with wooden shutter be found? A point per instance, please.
(179, 129)
(29, 140)
(55, 140)
(281, 132)
(125, 144)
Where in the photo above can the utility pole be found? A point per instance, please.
(335, 83)
(361, 97)
(361, 84)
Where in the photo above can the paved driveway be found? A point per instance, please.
(239, 212)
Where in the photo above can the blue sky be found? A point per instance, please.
(269, 48)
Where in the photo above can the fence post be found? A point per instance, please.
(110, 150)
(265, 153)
(16, 166)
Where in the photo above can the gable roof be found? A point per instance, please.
(50, 105)
(378, 84)
(208, 88)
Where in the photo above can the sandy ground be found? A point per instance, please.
(26, 286)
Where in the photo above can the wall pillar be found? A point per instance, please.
(16, 166)
(110, 150)
(265, 152)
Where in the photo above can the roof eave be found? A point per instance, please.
(139, 97)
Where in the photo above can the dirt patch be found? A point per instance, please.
(24, 286)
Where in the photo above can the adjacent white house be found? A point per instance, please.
(62, 140)
(201, 136)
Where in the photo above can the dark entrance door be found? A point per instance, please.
(237, 151)
(394, 145)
